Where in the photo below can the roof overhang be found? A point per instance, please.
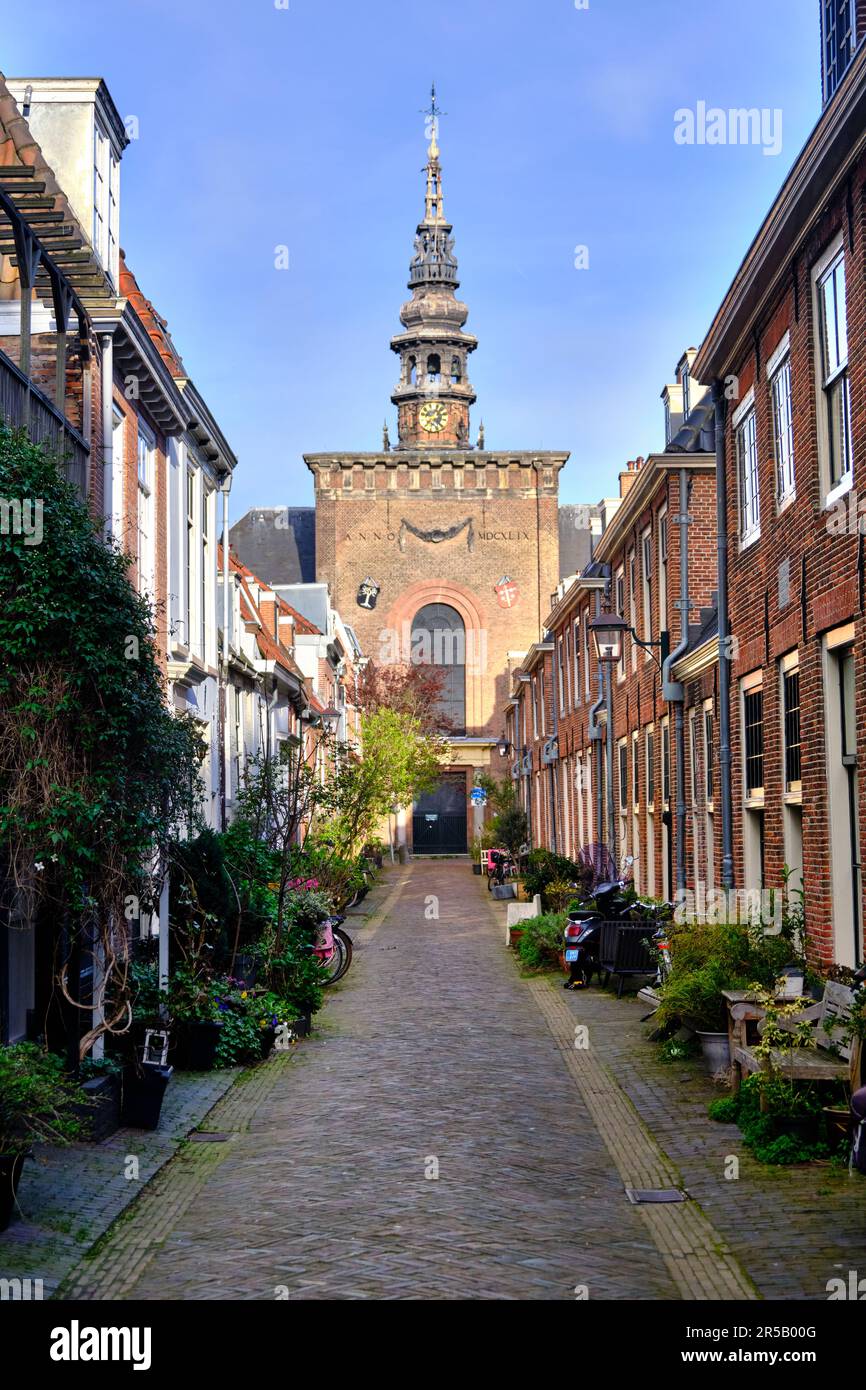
(834, 147)
(640, 495)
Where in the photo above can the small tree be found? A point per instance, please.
(509, 823)
(411, 688)
(399, 762)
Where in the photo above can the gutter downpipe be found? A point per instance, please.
(674, 691)
(595, 737)
(725, 788)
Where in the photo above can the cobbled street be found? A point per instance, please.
(436, 1057)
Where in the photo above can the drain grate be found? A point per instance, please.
(208, 1136)
(639, 1195)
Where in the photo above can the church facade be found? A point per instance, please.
(438, 549)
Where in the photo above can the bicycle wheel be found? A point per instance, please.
(346, 943)
(336, 965)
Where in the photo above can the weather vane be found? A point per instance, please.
(432, 115)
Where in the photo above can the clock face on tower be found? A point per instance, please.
(433, 416)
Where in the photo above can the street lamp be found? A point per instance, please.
(607, 630)
(331, 718)
(503, 747)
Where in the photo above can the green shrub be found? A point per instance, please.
(37, 1099)
(541, 942)
(724, 1110)
(789, 1130)
(545, 869)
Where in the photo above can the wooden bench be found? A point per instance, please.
(829, 1060)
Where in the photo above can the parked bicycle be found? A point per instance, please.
(500, 866)
(333, 948)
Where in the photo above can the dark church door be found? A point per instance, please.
(439, 818)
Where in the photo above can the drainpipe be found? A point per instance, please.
(110, 503)
(595, 737)
(725, 788)
(611, 804)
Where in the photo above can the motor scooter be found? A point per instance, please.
(582, 936)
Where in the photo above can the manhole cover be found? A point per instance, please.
(205, 1136)
(638, 1195)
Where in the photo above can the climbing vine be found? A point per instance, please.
(95, 771)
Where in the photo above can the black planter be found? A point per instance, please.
(10, 1175)
(476, 869)
(197, 1045)
(303, 1026)
(268, 1038)
(143, 1093)
(100, 1111)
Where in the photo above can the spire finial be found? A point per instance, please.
(432, 123)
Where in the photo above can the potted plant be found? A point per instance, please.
(194, 1007)
(99, 1111)
(694, 999)
(144, 1087)
(37, 1105)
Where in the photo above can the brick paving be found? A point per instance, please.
(792, 1228)
(435, 1052)
(69, 1197)
(431, 1051)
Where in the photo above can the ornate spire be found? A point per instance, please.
(433, 395)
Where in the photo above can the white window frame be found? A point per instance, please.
(646, 542)
(663, 541)
(792, 792)
(749, 506)
(753, 799)
(146, 510)
(825, 380)
(782, 417)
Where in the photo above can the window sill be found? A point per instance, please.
(783, 503)
(839, 490)
(754, 802)
(749, 540)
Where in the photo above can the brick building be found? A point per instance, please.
(616, 756)
(787, 354)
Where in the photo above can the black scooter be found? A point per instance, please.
(582, 937)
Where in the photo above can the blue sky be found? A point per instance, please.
(262, 126)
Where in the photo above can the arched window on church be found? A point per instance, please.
(439, 640)
(455, 371)
(434, 369)
(412, 371)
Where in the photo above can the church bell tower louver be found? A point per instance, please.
(434, 393)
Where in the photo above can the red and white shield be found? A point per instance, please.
(506, 591)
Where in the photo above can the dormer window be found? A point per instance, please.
(685, 382)
(838, 41)
(667, 421)
(106, 201)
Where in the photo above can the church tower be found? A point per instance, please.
(434, 393)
